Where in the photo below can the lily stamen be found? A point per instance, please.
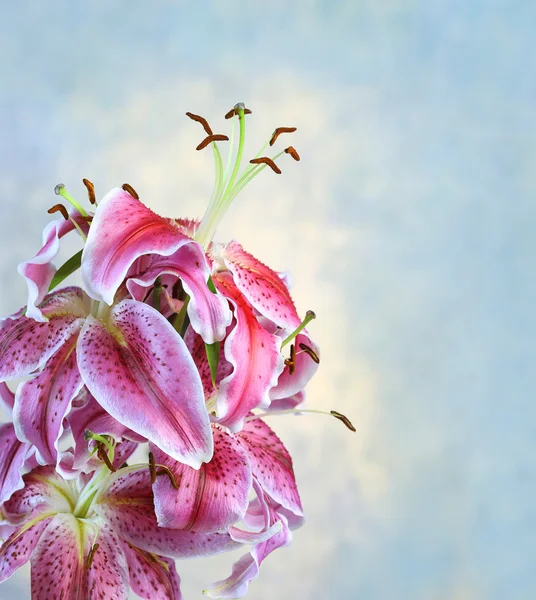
(267, 161)
(298, 411)
(215, 137)
(201, 120)
(292, 151)
(90, 191)
(291, 362)
(152, 467)
(279, 131)
(91, 554)
(103, 455)
(163, 470)
(59, 208)
(308, 350)
(128, 188)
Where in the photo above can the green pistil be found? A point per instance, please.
(309, 316)
(61, 191)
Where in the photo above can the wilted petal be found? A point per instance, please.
(42, 402)
(59, 560)
(152, 577)
(18, 547)
(209, 499)
(255, 356)
(140, 371)
(127, 506)
(26, 345)
(271, 464)
(13, 455)
(107, 576)
(264, 288)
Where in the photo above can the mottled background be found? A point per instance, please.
(407, 228)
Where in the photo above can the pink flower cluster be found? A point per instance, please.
(172, 345)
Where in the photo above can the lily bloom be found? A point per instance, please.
(96, 537)
(128, 356)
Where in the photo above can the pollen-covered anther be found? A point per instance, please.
(90, 190)
(291, 362)
(201, 120)
(308, 350)
(152, 467)
(59, 208)
(128, 188)
(163, 470)
(344, 419)
(293, 152)
(103, 455)
(279, 131)
(216, 137)
(267, 161)
(91, 554)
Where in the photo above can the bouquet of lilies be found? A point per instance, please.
(174, 349)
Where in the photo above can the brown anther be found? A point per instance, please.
(279, 131)
(234, 111)
(216, 137)
(163, 470)
(59, 208)
(292, 151)
(91, 554)
(90, 190)
(267, 161)
(344, 419)
(291, 362)
(128, 188)
(201, 120)
(152, 467)
(103, 455)
(308, 350)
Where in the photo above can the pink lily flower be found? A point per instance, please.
(96, 537)
(128, 356)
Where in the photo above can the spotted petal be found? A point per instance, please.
(13, 456)
(140, 371)
(255, 356)
(7, 398)
(42, 402)
(209, 499)
(107, 576)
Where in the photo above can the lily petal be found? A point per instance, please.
(255, 356)
(140, 371)
(127, 506)
(107, 576)
(152, 577)
(13, 455)
(271, 464)
(7, 398)
(209, 499)
(264, 288)
(18, 547)
(58, 562)
(41, 403)
(26, 345)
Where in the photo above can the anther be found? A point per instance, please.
(279, 131)
(91, 554)
(90, 190)
(292, 151)
(201, 120)
(235, 109)
(59, 208)
(344, 419)
(291, 362)
(308, 350)
(103, 455)
(152, 467)
(128, 188)
(163, 470)
(216, 137)
(267, 161)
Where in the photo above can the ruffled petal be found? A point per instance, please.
(26, 345)
(271, 464)
(13, 456)
(264, 288)
(255, 356)
(152, 577)
(59, 560)
(127, 506)
(18, 547)
(140, 371)
(42, 402)
(209, 499)
(107, 576)
(39, 271)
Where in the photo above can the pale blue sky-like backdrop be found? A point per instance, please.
(407, 227)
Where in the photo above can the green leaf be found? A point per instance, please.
(213, 356)
(69, 267)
